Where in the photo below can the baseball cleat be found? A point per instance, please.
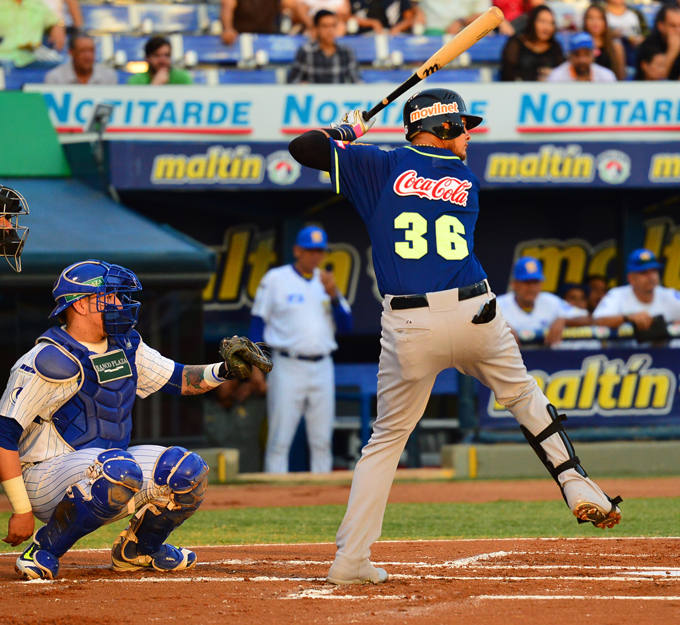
(124, 556)
(366, 574)
(590, 512)
(36, 563)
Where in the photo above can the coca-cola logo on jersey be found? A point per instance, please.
(447, 189)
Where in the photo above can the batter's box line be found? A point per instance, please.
(572, 597)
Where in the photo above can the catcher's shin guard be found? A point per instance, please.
(602, 514)
(183, 476)
(111, 482)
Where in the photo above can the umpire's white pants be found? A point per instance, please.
(48, 481)
(296, 388)
(416, 345)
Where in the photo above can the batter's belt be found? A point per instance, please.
(404, 302)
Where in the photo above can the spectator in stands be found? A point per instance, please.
(519, 24)
(341, 8)
(450, 16)
(575, 295)
(641, 299)
(324, 61)
(653, 64)
(597, 289)
(393, 16)
(259, 16)
(22, 26)
(609, 52)
(527, 309)
(160, 71)
(532, 54)
(581, 66)
(666, 35)
(81, 69)
(74, 11)
(625, 23)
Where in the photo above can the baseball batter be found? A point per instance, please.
(65, 425)
(420, 205)
(297, 309)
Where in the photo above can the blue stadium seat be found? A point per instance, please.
(210, 49)
(132, 46)
(169, 18)
(280, 48)
(397, 76)
(456, 75)
(363, 47)
(108, 19)
(246, 76)
(488, 49)
(415, 49)
(17, 77)
(385, 75)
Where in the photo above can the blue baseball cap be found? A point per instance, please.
(641, 260)
(312, 238)
(528, 268)
(579, 41)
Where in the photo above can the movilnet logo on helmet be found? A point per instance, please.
(438, 108)
(447, 189)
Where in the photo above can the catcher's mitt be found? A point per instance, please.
(240, 354)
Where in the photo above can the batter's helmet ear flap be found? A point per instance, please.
(12, 235)
(439, 112)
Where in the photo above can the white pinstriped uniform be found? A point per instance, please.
(50, 465)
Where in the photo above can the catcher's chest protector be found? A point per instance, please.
(99, 414)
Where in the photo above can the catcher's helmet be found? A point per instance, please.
(12, 235)
(95, 277)
(438, 111)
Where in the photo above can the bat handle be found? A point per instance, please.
(401, 89)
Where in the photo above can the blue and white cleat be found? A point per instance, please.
(124, 556)
(36, 563)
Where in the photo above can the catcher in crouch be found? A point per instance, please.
(65, 422)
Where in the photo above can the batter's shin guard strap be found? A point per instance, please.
(185, 476)
(114, 477)
(555, 427)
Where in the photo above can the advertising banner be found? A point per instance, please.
(612, 387)
(145, 165)
(519, 112)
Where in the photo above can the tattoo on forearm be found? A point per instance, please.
(193, 374)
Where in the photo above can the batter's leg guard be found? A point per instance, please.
(586, 500)
(183, 477)
(111, 483)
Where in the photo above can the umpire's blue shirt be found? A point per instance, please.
(420, 205)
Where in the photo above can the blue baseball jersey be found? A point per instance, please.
(420, 205)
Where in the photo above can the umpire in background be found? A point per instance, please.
(297, 309)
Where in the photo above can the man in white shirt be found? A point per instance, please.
(297, 309)
(81, 68)
(450, 16)
(641, 299)
(531, 312)
(581, 66)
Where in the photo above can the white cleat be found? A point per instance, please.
(365, 573)
(588, 502)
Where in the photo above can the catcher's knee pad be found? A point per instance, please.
(113, 479)
(573, 462)
(183, 476)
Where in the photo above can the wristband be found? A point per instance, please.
(15, 489)
(212, 374)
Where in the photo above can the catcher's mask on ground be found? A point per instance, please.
(439, 112)
(95, 277)
(12, 235)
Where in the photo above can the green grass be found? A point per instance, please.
(642, 517)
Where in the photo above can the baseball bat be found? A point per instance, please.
(465, 39)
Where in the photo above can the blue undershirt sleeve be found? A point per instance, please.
(10, 433)
(174, 385)
(256, 332)
(342, 315)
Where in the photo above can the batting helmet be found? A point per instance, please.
(437, 111)
(12, 235)
(95, 277)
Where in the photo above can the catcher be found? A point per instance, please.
(65, 423)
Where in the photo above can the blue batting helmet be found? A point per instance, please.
(95, 277)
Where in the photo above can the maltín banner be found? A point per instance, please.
(611, 387)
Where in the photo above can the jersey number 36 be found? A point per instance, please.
(448, 230)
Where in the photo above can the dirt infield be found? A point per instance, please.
(513, 581)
